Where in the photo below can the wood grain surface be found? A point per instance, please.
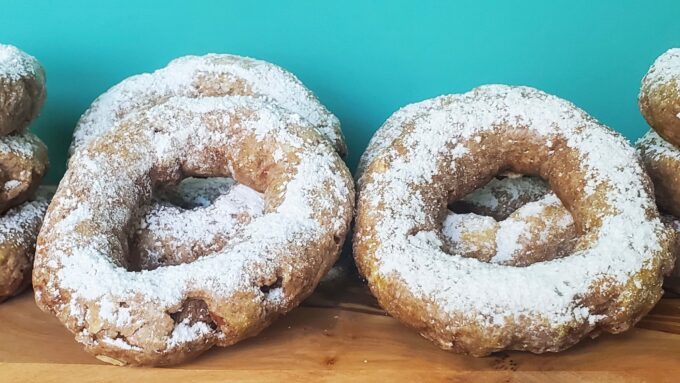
(344, 336)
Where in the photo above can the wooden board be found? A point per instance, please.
(340, 338)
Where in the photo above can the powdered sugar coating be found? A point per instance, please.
(196, 192)
(517, 190)
(22, 89)
(662, 162)
(428, 140)
(666, 69)
(76, 273)
(15, 63)
(385, 136)
(201, 215)
(169, 234)
(501, 196)
(13, 222)
(208, 75)
(657, 148)
(535, 225)
(24, 162)
(19, 145)
(659, 97)
(19, 228)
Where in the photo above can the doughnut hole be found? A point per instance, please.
(518, 152)
(513, 220)
(194, 218)
(502, 196)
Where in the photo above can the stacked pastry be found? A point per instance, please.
(201, 201)
(23, 163)
(200, 215)
(659, 101)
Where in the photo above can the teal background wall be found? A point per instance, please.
(364, 59)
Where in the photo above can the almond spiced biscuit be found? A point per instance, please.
(22, 89)
(178, 230)
(432, 153)
(19, 227)
(659, 98)
(164, 316)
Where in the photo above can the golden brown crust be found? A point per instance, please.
(439, 150)
(211, 75)
(662, 162)
(192, 219)
(23, 163)
(659, 102)
(18, 232)
(167, 233)
(674, 224)
(163, 236)
(198, 217)
(22, 89)
(502, 196)
(659, 98)
(536, 232)
(159, 317)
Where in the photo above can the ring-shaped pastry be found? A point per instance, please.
(437, 151)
